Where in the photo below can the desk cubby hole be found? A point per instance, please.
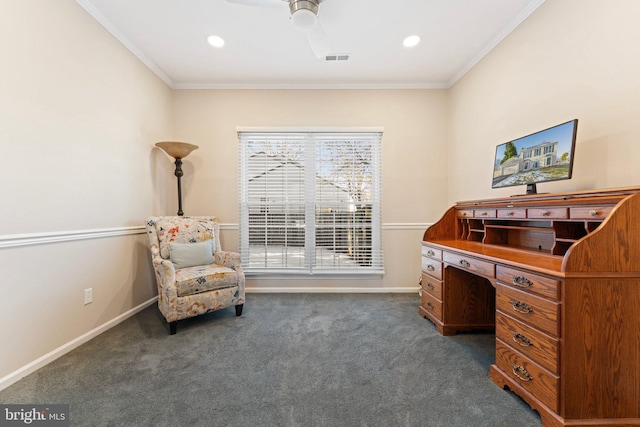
(561, 247)
(538, 239)
(535, 236)
(463, 229)
(570, 230)
(471, 229)
(592, 225)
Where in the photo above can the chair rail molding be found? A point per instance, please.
(405, 225)
(385, 226)
(28, 239)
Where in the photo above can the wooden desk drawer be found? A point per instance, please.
(484, 213)
(547, 213)
(590, 212)
(464, 213)
(512, 213)
(463, 262)
(432, 305)
(530, 376)
(431, 252)
(539, 347)
(432, 267)
(530, 282)
(528, 308)
(431, 285)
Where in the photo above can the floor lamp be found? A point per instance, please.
(177, 150)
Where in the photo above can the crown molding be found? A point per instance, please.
(307, 86)
(97, 14)
(531, 7)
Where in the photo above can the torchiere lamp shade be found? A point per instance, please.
(177, 150)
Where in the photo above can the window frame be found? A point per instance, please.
(312, 138)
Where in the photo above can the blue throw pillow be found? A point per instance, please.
(191, 254)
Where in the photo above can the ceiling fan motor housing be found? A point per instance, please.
(304, 13)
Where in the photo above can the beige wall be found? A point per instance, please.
(569, 59)
(78, 116)
(413, 160)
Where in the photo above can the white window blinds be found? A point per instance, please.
(310, 202)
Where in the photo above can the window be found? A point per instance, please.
(310, 202)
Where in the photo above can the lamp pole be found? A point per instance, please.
(178, 150)
(178, 173)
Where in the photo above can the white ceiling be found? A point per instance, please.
(263, 50)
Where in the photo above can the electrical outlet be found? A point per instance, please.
(88, 296)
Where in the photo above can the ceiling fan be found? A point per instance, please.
(304, 17)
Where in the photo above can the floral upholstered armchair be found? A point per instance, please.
(194, 275)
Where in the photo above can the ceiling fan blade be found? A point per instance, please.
(260, 3)
(318, 41)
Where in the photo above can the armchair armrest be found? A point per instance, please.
(227, 259)
(166, 271)
(167, 291)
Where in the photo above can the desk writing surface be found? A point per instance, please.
(520, 258)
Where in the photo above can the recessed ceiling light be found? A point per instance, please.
(411, 41)
(215, 41)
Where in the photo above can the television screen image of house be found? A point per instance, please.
(542, 156)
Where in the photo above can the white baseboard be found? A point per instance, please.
(17, 375)
(325, 290)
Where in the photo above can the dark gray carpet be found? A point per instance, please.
(290, 360)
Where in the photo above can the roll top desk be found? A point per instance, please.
(557, 277)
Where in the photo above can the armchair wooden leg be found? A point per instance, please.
(173, 327)
(239, 309)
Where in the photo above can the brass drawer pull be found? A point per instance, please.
(420, 280)
(464, 263)
(521, 282)
(512, 213)
(519, 370)
(521, 307)
(430, 286)
(545, 213)
(430, 267)
(430, 253)
(521, 340)
(430, 305)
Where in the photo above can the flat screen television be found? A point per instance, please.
(543, 156)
